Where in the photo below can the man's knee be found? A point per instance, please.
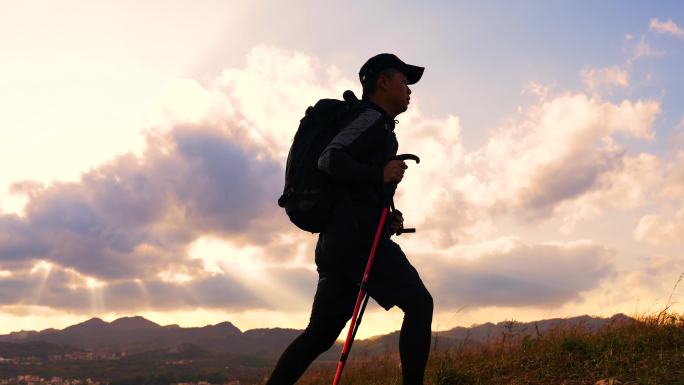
(324, 333)
(420, 301)
(427, 304)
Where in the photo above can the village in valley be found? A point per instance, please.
(28, 379)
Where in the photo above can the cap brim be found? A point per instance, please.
(413, 73)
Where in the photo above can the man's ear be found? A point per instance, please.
(383, 82)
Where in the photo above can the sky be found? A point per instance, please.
(142, 151)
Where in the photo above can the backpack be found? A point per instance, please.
(309, 193)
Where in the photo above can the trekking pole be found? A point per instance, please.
(359, 299)
(363, 294)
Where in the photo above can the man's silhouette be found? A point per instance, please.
(359, 158)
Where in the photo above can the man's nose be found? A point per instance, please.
(409, 90)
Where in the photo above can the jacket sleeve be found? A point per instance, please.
(340, 158)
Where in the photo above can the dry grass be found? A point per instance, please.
(649, 351)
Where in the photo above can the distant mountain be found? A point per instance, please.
(138, 335)
(35, 348)
(22, 334)
(133, 323)
(479, 334)
(131, 334)
(489, 330)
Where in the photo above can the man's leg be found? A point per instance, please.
(393, 281)
(332, 307)
(415, 335)
(316, 339)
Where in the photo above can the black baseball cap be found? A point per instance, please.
(387, 60)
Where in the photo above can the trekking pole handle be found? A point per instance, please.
(407, 157)
(417, 160)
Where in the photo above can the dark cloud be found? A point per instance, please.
(66, 290)
(569, 178)
(545, 275)
(214, 291)
(225, 186)
(40, 288)
(135, 216)
(16, 244)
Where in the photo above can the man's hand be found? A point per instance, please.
(394, 171)
(396, 222)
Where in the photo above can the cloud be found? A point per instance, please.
(509, 272)
(597, 78)
(65, 289)
(674, 182)
(661, 229)
(627, 187)
(426, 195)
(213, 168)
(667, 27)
(274, 90)
(655, 267)
(560, 157)
(562, 149)
(666, 225)
(134, 216)
(638, 49)
(651, 282)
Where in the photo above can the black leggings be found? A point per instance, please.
(320, 335)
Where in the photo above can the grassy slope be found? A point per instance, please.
(649, 351)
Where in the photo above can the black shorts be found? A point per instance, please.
(392, 281)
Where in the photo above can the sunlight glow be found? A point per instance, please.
(93, 283)
(96, 298)
(220, 256)
(247, 265)
(42, 267)
(173, 276)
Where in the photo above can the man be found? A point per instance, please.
(359, 159)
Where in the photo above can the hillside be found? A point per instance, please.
(573, 351)
(648, 350)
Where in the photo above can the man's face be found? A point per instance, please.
(398, 92)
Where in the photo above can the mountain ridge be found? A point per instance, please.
(137, 334)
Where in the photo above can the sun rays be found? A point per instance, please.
(42, 271)
(246, 265)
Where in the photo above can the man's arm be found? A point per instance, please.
(339, 158)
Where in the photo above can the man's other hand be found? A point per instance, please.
(396, 222)
(394, 171)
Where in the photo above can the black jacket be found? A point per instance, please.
(355, 159)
